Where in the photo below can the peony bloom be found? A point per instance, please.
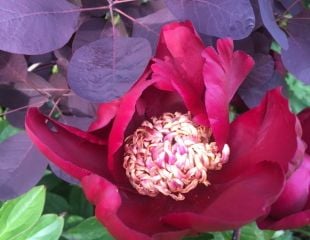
(163, 161)
(292, 209)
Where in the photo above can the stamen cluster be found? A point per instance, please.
(171, 155)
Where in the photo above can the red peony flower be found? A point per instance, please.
(292, 209)
(163, 161)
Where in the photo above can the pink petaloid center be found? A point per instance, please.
(171, 155)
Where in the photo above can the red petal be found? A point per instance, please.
(268, 132)
(76, 152)
(235, 204)
(109, 204)
(293, 221)
(292, 209)
(296, 193)
(124, 116)
(304, 118)
(105, 113)
(223, 73)
(184, 45)
(178, 66)
(167, 71)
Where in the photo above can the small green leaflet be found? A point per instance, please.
(90, 229)
(20, 218)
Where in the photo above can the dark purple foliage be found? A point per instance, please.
(220, 18)
(256, 43)
(105, 69)
(293, 6)
(21, 166)
(270, 23)
(149, 26)
(80, 107)
(88, 32)
(94, 4)
(258, 18)
(13, 67)
(36, 26)
(94, 29)
(62, 175)
(33, 91)
(261, 79)
(297, 57)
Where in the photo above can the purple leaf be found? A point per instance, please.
(34, 91)
(95, 29)
(149, 27)
(294, 6)
(138, 9)
(59, 82)
(63, 56)
(36, 26)
(95, 4)
(62, 175)
(270, 23)
(258, 18)
(257, 42)
(297, 57)
(79, 122)
(11, 97)
(261, 79)
(105, 69)
(13, 67)
(219, 18)
(80, 107)
(88, 32)
(21, 166)
(41, 58)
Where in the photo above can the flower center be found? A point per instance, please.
(171, 155)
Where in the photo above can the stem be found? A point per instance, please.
(236, 234)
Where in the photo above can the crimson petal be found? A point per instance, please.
(124, 115)
(268, 132)
(178, 66)
(304, 118)
(292, 209)
(237, 203)
(76, 152)
(105, 113)
(223, 73)
(108, 201)
(185, 46)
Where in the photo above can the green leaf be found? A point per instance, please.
(299, 93)
(222, 236)
(248, 232)
(72, 221)
(275, 47)
(90, 229)
(50, 181)
(56, 204)
(21, 213)
(6, 130)
(78, 203)
(202, 236)
(49, 227)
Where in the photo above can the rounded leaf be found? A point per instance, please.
(36, 26)
(21, 166)
(105, 69)
(218, 18)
